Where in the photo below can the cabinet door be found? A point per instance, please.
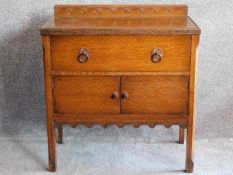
(86, 94)
(154, 94)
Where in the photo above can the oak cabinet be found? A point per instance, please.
(120, 65)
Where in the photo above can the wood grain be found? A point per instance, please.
(49, 104)
(120, 26)
(155, 94)
(119, 10)
(181, 135)
(117, 73)
(60, 134)
(120, 39)
(124, 119)
(120, 20)
(86, 94)
(192, 106)
(109, 54)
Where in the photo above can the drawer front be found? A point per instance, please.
(86, 94)
(155, 94)
(120, 53)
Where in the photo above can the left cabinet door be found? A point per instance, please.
(86, 94)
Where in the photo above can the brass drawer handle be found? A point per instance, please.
(125, 95)
(115, 95)
(156, 55)
(83, 55)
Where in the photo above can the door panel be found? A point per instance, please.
(155, 94)
(86, 94)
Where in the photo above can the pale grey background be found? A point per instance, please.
(21, 69)
(22, 109)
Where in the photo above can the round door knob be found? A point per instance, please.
(156, 55)
(125, 95)
(115, 95)
(83, 55)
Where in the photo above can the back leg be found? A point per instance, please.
(181, 135)
(60, 134)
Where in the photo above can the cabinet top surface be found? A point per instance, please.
(120, 19)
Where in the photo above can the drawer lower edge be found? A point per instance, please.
(118, 73)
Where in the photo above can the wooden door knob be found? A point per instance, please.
(156, 55)
(83, 55)
(115, 95)
(124, 95)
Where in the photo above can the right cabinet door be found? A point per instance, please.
(154, 94)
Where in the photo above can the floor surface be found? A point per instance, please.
(89, 153)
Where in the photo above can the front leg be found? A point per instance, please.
(189, 148)
(51, 145)
(49, 104)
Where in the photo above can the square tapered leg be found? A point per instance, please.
(51, 146)
(181, 135)
(60, 134)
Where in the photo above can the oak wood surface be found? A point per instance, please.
(120, 26)
(192, 106)
(120, 20)
(181, 135)
(49, 104)
(118, 119)
(117, 73)
(120, 53)
(155, 94)
(119, 10)
(86, 94)
(120, 39)
(60, 134)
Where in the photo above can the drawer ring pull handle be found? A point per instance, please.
(83, 55)
(156, 55)
(125, 95)
(115, 95)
